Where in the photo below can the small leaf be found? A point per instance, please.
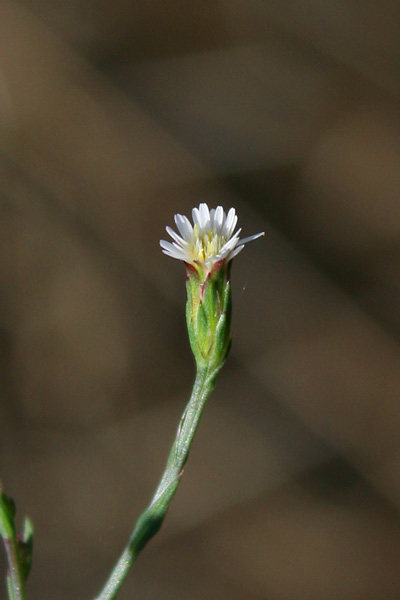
(9, 506)
(25, 548)
(7, 515)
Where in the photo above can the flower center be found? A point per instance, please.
(206, 244)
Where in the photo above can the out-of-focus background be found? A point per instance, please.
(113, 117)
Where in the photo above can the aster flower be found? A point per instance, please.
(210, 241)
(207, 248)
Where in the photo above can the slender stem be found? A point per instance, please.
(151, 519)
(15, 579)
(15, 583)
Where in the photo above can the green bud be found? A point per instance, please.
(208, 313)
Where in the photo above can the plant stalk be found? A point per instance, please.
(15, 578)
(152, 518)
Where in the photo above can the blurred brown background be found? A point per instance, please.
(114, 116)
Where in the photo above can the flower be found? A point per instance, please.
(209, 241)
(206, 248)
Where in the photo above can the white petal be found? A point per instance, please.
(175, 236)
(219, 218)
(236, 251)
(184, 226)
(223, 255)
(231, 243)
(252, 237)
(230, 223)
(167, 245)
(204, 217)
(174, 255)
(172, 250)
(195, 216)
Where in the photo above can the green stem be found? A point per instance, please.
(15, 582)
(15, 579)
(151, 519)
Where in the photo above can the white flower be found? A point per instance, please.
(210, 240)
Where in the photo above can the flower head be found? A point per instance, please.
(206, 248)
(210, 240)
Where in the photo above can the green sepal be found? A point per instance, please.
(208, 314)
(223, 327)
